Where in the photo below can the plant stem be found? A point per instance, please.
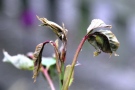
(61, 75)
(62, 59)
(45, 72)
(56, 53)
(77, 52)
(74, 61)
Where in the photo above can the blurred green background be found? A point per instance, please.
(20, 33)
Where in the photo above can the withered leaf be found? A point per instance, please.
(113, 42)
(104, 40)
(37, 56)
(58, 30)
(97, 23)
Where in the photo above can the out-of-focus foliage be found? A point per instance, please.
(19, 61)
(48, 62)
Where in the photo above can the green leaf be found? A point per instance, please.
(66, 75)
(49, 61)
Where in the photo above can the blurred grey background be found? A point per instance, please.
(20, 33)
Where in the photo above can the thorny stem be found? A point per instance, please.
(75, 60)
(45, 72)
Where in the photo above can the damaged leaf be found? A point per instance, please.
(58, 30)
(61, 32)
(104, 40)
(97, 23)
(37, 56)
(19, 61)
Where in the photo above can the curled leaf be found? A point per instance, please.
(19, 61)
(104, 40)
(37, 56)
(58, 30)
(97, 23)
(61, 32)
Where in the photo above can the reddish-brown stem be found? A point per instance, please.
(45, 72)
(56, 54)
(74, 61)
(77, 51)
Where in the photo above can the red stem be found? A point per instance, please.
(45, 72)
(56, 53)
(78, 50)
(74, 61)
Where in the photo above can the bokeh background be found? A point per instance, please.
(20, 33)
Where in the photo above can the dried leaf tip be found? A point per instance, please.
(37, 59)
(64, 29)
(61, 32)
(43, 20)
(97, 23)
